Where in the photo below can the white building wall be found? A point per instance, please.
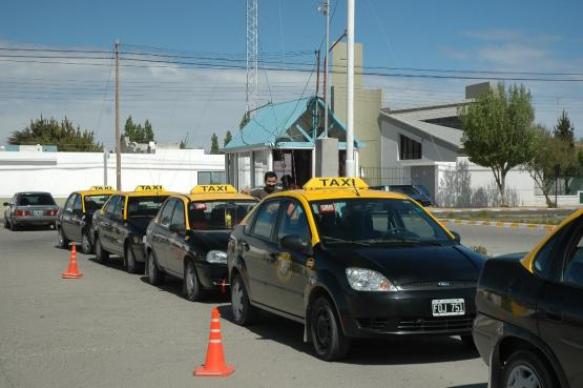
(63, 172)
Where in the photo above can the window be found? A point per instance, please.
(95, 202)
(573, 267)
(211, 177)
(294, 222)
(110, 205)
(40, 199)
(77, 203)
(225, 214)
(69, 203)
(265, 219)
(178, 217)
(146, 207)
(117, 211)
(410, 149)
(166, 214)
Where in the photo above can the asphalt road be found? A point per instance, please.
(112, 329)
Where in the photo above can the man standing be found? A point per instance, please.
(270, 180)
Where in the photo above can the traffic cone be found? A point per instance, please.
(72, 272)
(214, 364)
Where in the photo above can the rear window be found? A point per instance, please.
(95, 202)
(144, 206)
(212, 215)
(36, 200)
(408, 190)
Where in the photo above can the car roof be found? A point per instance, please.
(33, 193)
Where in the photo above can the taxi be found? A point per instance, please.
(75, 219)
(529, 323)
(189, 236)
(121, 224)
(350, 262)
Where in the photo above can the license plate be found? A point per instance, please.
(38, 213)
(448, 307)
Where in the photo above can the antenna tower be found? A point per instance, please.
(252, 53)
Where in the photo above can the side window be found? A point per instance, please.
(118, 210)
(265, 219)
(166, 215)
(294, 222)
(69, 203)
(111, 205)
(77, 203)
(573, 264)
(543, 262)
(178, 217)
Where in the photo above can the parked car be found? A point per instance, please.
(121, 224)
(348, 262)
(31, 208)
(529, 324)
(418, 192)
(188, 238)
(75, 219)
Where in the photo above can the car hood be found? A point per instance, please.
(211, 239)
(405, 265)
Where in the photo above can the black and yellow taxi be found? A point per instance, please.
(350, 262)
(529, 323)
(189, 236)
(75, 219)
(120, 225)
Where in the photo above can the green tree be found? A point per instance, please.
(228, 138)
(214, 144)
(497, 131)
(63, 134)
(564, 130)
(548, 152)
(565, 133)
(148, 132)
(138, 133)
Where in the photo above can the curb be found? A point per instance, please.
(509, 225)
(503, 210)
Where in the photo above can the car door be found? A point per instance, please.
(176, 238)
(259, 250)
(118, 229)
(105, 227)
(67, 217)
(290, 274)
(561, 306)
(76, 219)
(160, 238)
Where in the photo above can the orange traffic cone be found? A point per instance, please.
(72, 272)
(214, 364)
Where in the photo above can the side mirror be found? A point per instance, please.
(295, 243)
(178, 229)
(456, 237)
(6, 204)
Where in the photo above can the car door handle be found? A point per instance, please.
(245, 245)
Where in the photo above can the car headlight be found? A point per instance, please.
(218, 257)
(361, 279)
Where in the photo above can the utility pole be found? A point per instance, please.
(350, 92)
(317, 72)
(104, 167)
(326, 10)
(117, 131)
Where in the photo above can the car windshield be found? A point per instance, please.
(95, 202)
(367, 221)
(409, 190)
(146, 206)
(36, 199)
(213, 215)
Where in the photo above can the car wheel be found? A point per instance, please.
(130, 260)
(327, 337)
(13, 227)
(191, 285)
(86, 246)
(468, 341)
(62, 241)
(101, 254)
(525, 369)
(6, 224)
(154, 275)
(243, 312)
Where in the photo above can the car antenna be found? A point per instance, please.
(355, 188)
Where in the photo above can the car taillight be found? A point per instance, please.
(21, 213)
(51, 212)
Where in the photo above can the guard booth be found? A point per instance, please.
(280, 137)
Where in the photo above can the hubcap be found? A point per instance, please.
(237, 300)
(189, 278)
(522, 377)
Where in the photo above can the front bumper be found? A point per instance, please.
(403, 313)
(212, 276)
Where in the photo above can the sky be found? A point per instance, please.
(535, 39)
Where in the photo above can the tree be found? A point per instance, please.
(497, 131)
(214, 144)
(148, 132)
(228, 138)
(565, 133)
(548, 152)
(63, 134)
(244, 120)
(138, 133)
(564, 130)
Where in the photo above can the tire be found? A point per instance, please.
(526, 369)
(14, 227)
(6, 224)
(100, 254)
(243, 312)
(86, 246)
(154, 275)
(130, 260)
(62, 241)
(468, 341)
(329, 341)
(191, 286)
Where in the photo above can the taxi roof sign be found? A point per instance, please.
(100, 188)
(213, 189)
(337, 182)
(149, 188)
